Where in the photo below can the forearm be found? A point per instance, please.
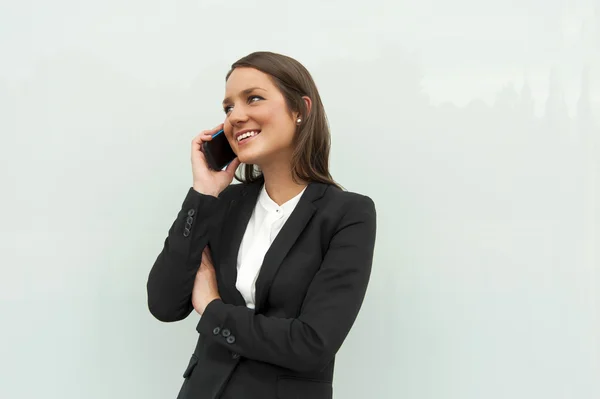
(289, 343)
(171, 278)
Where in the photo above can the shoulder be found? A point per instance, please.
(346, 204)
(347, 199)
(347, 217)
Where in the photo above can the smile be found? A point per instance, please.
(247, 135)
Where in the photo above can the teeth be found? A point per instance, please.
(246, 135)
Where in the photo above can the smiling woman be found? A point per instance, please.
(260, 110)
(278, 89)
(277, 266)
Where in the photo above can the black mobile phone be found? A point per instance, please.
(218, 152)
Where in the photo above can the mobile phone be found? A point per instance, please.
(218, 152)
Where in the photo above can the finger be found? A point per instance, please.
(206, 266)
(200, 138)
(198, 142)
(208, 254)
(207, 135)
(233, 165)
(215, 130)
(206, 257)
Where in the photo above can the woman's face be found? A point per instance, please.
(258, 124)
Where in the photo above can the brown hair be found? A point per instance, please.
(312, 141)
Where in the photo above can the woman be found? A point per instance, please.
(276, 266)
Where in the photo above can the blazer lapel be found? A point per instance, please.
(240, 211)
(284, 241)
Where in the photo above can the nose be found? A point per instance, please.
(237, 116)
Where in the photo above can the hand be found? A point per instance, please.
(205, 285)
(205, 180)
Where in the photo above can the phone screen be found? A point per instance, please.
(218, 152)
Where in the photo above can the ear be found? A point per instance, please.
(308, 105)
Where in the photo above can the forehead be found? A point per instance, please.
(244, 78)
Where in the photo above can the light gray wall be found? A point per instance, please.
(483, 162)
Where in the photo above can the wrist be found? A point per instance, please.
(201, 309)
(203, 191)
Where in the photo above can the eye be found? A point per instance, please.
(251, 99)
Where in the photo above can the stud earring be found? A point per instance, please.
(299, 120)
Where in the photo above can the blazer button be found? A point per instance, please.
(230, 339)
(235, 355)
(191, 212)
(216, 331)
(226, 333)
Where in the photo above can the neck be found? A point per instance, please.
(280, 185)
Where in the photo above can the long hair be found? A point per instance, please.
(312, 141)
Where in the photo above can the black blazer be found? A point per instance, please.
(308, 292)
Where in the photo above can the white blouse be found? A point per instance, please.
(265, 223)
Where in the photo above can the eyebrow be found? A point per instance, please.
(244, 92)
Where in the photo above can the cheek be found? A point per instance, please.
(283, 122)
(278, 122)
(228, 131)
(265, 116)
(273, 114)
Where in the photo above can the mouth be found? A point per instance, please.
(246, 134)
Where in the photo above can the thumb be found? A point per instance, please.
(206, 257)
(232, 167)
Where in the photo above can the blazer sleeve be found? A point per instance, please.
(171, 279)
(310, 341)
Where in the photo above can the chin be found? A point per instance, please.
(258, 154)
(251, 154)
(248, 158)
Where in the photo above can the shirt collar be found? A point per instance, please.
(271, 206)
